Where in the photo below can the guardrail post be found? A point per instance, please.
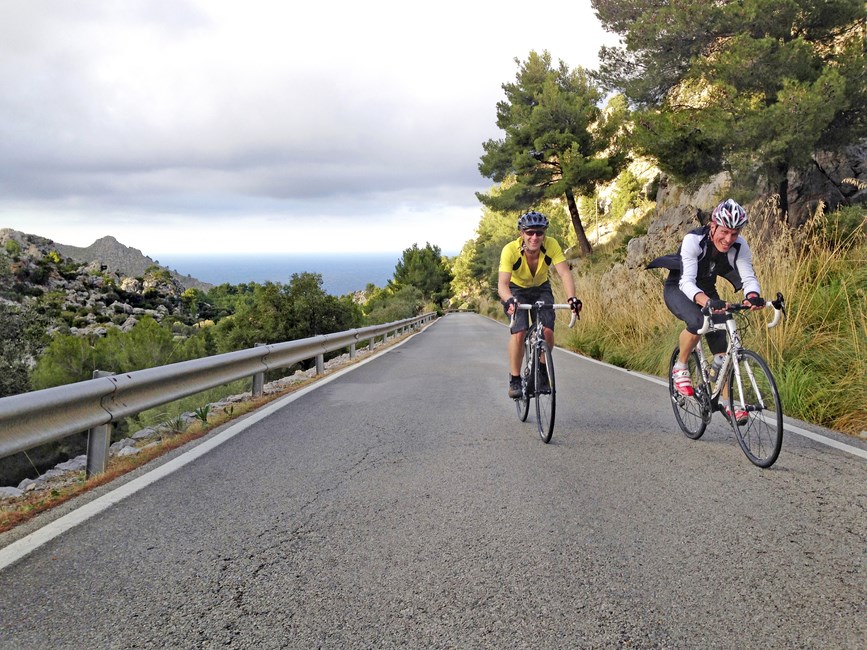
(258, 380)
(98, 441)
(352, 350)
(320, 364)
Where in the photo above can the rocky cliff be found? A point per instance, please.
(833, 180)
(128, 261)
(86, 290)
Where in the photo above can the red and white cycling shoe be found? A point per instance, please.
(682, 382)
(741, 416)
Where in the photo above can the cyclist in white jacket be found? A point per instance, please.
(714, 250)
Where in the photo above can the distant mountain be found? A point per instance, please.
(118, 257)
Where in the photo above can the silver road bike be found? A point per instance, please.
(747, 381)
(537, 371)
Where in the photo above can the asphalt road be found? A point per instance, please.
(402, 504)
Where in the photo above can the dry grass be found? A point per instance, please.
(819, 356)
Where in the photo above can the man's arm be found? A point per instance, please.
(503, 280)
(565, 273)
(690, 249)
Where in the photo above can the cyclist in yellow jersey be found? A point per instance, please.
(523, 278)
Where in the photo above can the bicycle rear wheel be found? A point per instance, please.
(692, 413)
(546, 394)
(760, 431)
(522, 404)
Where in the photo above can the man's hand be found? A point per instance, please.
(509, 305)
(754, 302)
(715, 304)
(576, 306)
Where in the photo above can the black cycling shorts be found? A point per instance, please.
(530, 295)
(690, 313)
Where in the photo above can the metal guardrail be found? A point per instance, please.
(31, 419)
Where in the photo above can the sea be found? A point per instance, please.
(341, 273)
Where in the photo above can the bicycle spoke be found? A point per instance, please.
(691, 412)
(753, 390)
(545, 392)
(522, 404)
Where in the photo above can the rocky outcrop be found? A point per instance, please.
(833, 179)
(127, 261)
(89, 296)
(664, 235)
(111, 253)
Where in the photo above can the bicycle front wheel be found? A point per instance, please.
(546, 394)
(522, 404)
(692, 413)
(756, 414)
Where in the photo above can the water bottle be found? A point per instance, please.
(715, 367)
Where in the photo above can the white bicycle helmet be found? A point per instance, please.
(532, 220)
(730, 214)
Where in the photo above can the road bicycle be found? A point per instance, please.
(537, 376)
(745, 377)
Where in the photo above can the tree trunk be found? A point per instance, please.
(783, 190)
(583, 242)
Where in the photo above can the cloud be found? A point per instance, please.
(212, 110)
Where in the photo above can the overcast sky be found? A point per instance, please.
(241, 126)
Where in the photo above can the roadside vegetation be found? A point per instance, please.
(818, 355)
(770, 97)
(41, 350)
(677, 100)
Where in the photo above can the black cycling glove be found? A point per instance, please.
(756, 301)
(506, 303)
(716, 304)
(576, 305)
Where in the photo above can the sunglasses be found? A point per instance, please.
(534, 233)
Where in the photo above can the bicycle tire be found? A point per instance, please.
(692, 413)
(522, 404)
(546, 396)
(760, 436)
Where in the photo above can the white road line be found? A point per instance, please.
(830, 442)
(22, 547)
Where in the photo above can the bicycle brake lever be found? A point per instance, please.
(780, 303)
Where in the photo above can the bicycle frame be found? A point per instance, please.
(753, 401)
(543, 381)
(733, 350)
(536, 332)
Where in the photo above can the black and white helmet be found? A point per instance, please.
(730, 214)
(532, 220)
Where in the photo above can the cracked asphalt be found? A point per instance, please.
(404, 505)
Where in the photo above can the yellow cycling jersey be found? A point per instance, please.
(512, 261)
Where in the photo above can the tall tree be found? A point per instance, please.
(426, 270)
(753, 87)
(558, 141)
(311, 311)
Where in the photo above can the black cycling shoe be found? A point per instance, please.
(514, 387)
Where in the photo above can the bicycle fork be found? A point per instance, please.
(529, 370)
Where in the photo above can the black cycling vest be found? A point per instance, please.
(709, 267)
(517, 263)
